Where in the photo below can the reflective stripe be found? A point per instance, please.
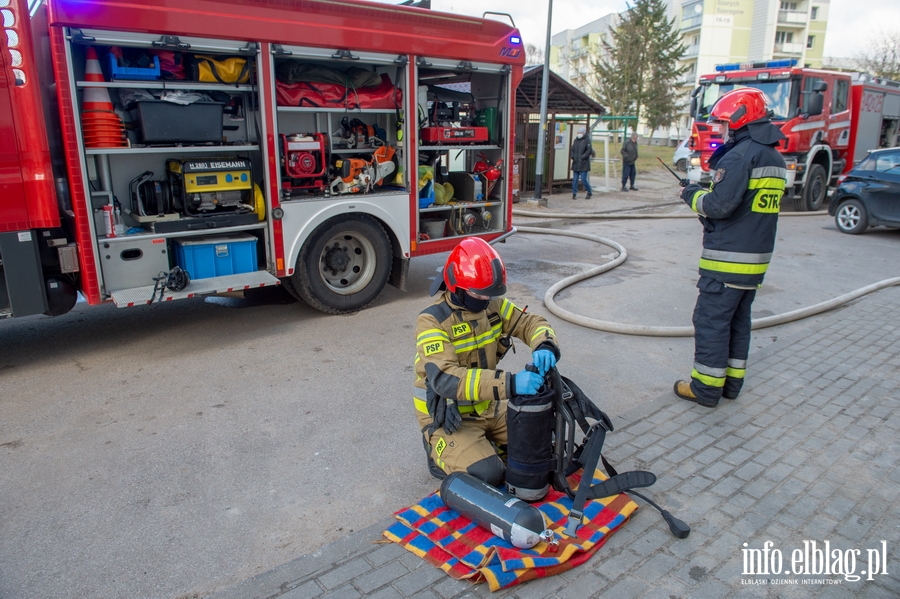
(432, 335)
(419, 393)
(529, 408)
(766, 183)
(541, 331)
(768, 171)
(473, 377)
(733, 363)
(704, 369)
(482, 340)
(697, 201)
(735, 373)
(506, 309)
(740, 257)
(734, 268)
(709, 381)
(420, 405)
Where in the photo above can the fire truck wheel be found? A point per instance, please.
(344, 265)
(851, 217)
(814, 191)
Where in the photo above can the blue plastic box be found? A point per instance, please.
(205, 257)
(426, 195)
(114, 72)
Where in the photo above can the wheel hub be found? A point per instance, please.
(336, 258)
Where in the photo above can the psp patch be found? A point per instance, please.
(720, 174)
(440, 447)
(435, 347)
(461, 329)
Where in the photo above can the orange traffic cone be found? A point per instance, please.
(100, 125)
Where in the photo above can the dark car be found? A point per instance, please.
(868, 195)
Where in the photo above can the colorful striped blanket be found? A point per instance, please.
(465, 551)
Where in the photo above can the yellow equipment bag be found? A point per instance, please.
(220, 69)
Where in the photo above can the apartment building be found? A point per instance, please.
(723, 31)
(573, 51)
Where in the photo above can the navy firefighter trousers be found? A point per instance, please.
(721, 340)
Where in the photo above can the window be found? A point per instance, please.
(887, 161)
(808, 84)
(788, 6)
(784, 37)
(695, 41)
(841, 92)
(810, 41)
(814, 13)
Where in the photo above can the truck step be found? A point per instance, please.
(137, 296)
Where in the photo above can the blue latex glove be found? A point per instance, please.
(544, 360)
(528, 383)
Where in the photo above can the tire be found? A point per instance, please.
(851, 217)
(343, 266)
(682, 165)
(813, 195)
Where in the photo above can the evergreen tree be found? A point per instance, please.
(638, 67)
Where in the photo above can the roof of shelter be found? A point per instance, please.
(562, 97)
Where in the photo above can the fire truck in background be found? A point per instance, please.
(164, 149)
(830, 119)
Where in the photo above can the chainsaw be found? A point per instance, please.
(359, 175)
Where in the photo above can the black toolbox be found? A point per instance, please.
(161, 122)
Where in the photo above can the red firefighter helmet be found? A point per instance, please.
(475, 266)
(740, 107)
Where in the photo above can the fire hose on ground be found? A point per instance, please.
(662, 331)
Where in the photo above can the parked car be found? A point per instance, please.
(868, 195)
(682, 155)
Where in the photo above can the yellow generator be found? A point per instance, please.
(211, 186)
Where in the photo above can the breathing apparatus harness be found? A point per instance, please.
(542, 450)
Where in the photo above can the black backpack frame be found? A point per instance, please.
(571, 408)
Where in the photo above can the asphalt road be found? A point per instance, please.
(173, 450)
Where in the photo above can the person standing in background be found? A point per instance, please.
(629, 153)
(582, 152)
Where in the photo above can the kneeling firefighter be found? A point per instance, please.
(459, 394)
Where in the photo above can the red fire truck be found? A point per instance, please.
(155, 150)
(830, 119)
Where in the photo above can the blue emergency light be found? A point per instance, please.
(515, 39)
(772, 64)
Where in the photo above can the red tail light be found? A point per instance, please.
(841, 178)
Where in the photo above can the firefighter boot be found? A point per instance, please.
(684, 391)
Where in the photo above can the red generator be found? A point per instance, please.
(303, 162)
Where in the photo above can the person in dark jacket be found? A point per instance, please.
(629, 153)
(739, 214)
(582, 152)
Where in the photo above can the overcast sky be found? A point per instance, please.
(850, 24)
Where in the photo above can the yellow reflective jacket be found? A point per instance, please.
(457, 351)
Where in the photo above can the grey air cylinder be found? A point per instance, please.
(506, 516)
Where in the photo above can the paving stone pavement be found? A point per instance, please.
(810, 452)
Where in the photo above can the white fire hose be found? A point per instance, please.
(662, 331)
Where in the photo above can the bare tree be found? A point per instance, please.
(533, 55)
(882, 57)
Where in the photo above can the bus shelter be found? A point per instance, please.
(568, 110)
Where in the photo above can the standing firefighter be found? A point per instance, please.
(459, 394)
(739, 214)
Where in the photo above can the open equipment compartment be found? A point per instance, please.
(339, 122)
(169, 151)
(463, 134)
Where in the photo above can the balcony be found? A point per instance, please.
(691, 52)
(691, 23)
(792, 18)
(792, 49)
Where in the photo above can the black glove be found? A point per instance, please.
(436, 409)
(452, 418)
(684, 182)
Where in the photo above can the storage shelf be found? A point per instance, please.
(173, 85)
(457, 147)
(338, 110)
(191, 233)
(460, 205)
(300, 197)
(171, 149)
